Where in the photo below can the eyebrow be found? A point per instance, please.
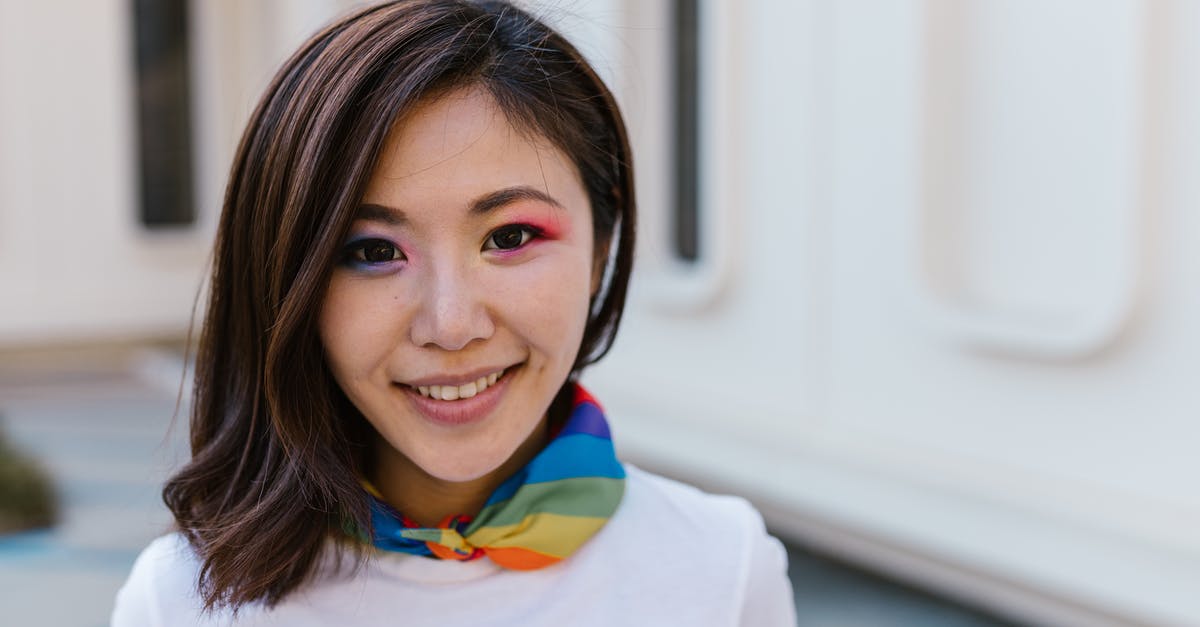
(480, 206)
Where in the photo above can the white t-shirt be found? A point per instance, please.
(670, 555)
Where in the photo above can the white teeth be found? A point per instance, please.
(467, 391)
(455, 392)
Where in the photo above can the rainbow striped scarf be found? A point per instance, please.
(538, 516)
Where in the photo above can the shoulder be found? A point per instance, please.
(161, 585)
(709, 546)
(679, 498)
(691, 513)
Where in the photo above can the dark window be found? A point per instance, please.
(164, 118)
(686, 112)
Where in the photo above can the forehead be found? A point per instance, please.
(461, 145)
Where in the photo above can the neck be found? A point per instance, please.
(428, 500)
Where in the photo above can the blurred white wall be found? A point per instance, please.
(941, 321)
(944, 322)
(76, 264)
(73, 262)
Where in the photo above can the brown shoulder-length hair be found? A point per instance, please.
(276, 447)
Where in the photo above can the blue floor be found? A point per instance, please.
(833, 594)
(109, 450)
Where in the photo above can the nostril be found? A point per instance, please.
(450, 317)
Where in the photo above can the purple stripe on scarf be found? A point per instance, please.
(586, 418)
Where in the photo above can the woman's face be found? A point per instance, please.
(459, 302)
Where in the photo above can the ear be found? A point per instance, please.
(599, 263)
(600, 259)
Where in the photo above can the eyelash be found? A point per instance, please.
(354, 253)
(528, 234)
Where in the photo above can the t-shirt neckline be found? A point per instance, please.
(425, 570)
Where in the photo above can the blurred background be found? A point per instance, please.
(915, 277)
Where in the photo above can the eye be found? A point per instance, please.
(372, 251)
(510, 237)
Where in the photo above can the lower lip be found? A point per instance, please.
(463, 411)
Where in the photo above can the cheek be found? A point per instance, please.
(549, 304)
(336, 340)
(351, 327)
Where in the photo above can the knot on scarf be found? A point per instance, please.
(446, 540)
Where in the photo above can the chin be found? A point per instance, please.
(461, 461)
(462, 473)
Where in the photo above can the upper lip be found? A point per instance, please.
(455, 379)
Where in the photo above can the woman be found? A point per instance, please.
(427, 235)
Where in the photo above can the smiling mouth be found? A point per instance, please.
(460, 392)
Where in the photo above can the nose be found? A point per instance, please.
(452, 312)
